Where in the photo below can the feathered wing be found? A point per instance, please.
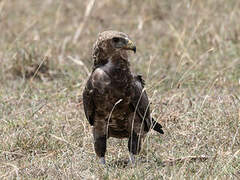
(88, 103)
(140, 105)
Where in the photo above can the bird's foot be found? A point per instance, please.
(131, 158)
(102, 161)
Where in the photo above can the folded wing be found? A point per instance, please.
(140, 104)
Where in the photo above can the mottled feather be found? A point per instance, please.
(115, 101)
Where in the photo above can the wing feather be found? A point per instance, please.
(98, 82)
(88, 103)
(140, 104)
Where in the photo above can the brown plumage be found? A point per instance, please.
(115, 102)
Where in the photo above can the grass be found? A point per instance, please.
(189, 54)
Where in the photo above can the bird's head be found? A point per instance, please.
(110, 43)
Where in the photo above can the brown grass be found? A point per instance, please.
(189, 54)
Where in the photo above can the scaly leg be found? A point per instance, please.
(134, 146)
(100, 142)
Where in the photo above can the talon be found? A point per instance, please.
(102, 161)
(131, 158)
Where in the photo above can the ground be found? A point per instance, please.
(187, 51)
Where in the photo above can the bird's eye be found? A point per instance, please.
(116, 40)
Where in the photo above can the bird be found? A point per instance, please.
(114, 99)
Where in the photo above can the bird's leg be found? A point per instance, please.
(100, 142)
(100, 148)
(134, 146)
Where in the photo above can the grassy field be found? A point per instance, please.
(187, 51)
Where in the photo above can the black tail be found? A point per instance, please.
(157, 127)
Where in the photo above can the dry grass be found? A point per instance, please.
(189, 54)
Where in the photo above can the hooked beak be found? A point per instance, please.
(130, 46)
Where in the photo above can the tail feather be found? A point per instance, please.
(157, 127)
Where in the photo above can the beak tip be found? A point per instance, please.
(134, 50)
